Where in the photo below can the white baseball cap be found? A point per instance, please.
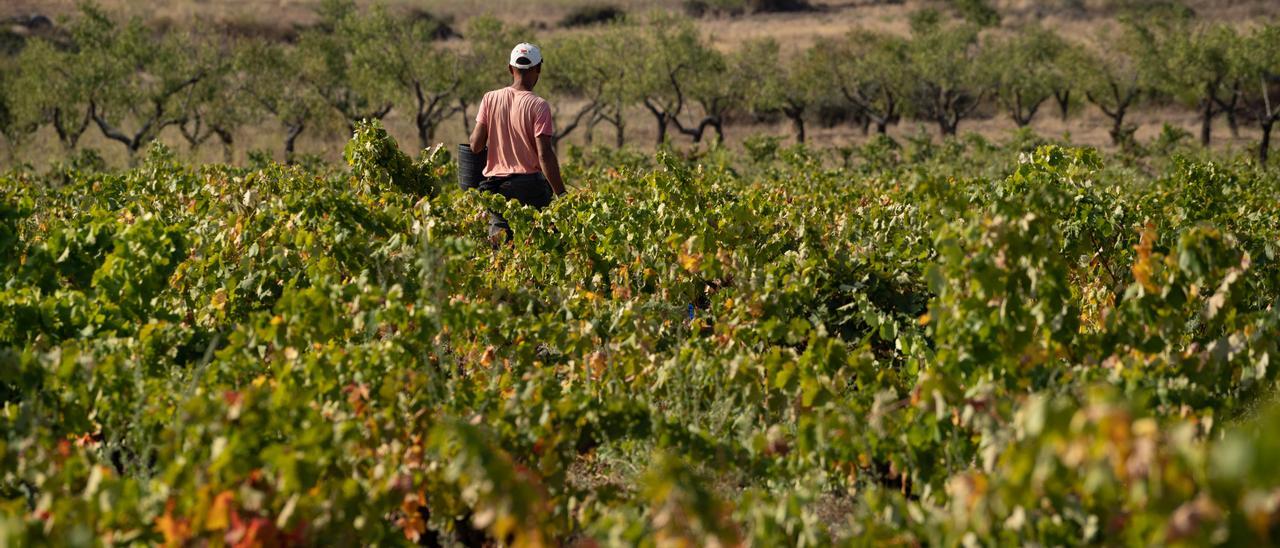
(525, 56)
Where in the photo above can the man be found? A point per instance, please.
(515, 129)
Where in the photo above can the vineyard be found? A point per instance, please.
(916, 343)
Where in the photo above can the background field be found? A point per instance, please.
(794, 31)
(830, 14)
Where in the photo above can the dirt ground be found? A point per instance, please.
(1087, 127)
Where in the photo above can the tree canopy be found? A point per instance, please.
(133, 82)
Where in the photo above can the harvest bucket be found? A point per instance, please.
(470, 167)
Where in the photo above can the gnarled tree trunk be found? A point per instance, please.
(1063, 98)
(1206, 122)
(1265, 144)
(796, 115)
(292, 131)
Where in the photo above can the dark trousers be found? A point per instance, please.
(531, 189)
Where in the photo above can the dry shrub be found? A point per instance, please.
(592, 15)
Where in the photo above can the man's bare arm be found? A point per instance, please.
(550, 163)
(479, 138)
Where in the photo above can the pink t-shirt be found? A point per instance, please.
(515, 119)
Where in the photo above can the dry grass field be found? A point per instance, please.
(1087, 128)
(286, 13)
(796, 30)
(1077, 19)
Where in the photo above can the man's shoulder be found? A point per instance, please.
(498, 92)
(519, 96)
(536, 100)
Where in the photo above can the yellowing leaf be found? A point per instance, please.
(175, 530)
(219, 299)
(219, 517)
(692, 263)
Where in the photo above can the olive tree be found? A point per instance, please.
(1191, 62)
(402, 56)
(674, 59)
(1116, 80)
(48, 87)
(269, 77)
(615, 92)
(947, 81)
(136, 79)
(215, 106)
(580, 72)
(1024, 70)
(1258, 57)
(1069, 68)
(787, 87)
(719, 88)
(326, 56)
(872, 71)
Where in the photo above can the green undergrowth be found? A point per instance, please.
(965, 342)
